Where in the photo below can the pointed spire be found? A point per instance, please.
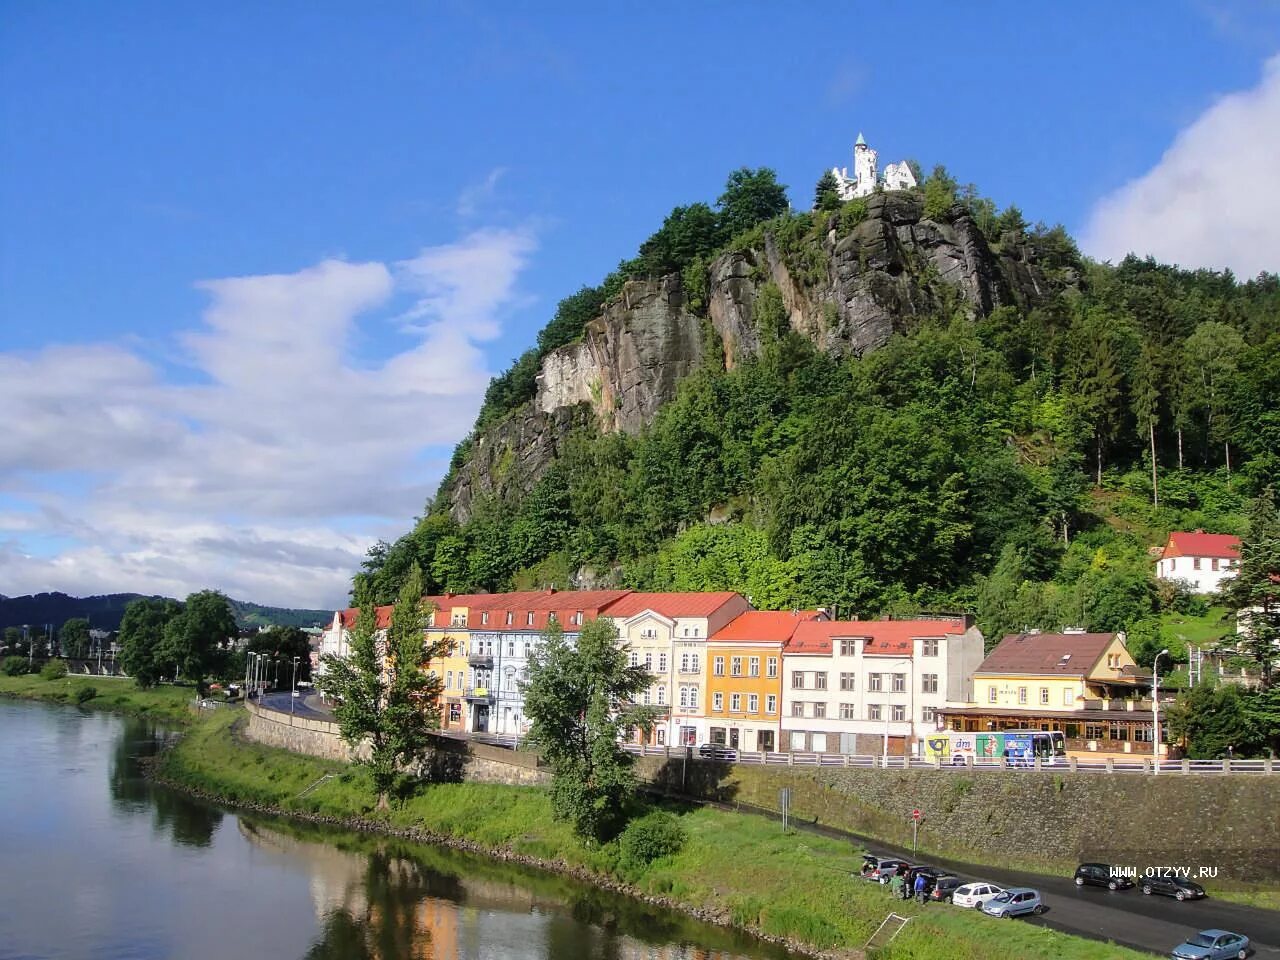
(860, 142)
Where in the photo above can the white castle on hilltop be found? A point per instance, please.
(897, 176)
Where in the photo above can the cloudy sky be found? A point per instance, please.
(258, 261)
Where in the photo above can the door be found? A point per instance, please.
(765, 740)
(733, 737)
(482, 718)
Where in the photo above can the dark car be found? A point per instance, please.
(944, 886)
(1176, 887)
(1101, 875)
(931, 875)
(717, 751)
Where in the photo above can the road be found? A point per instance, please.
(307, 706)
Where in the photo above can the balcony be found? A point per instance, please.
(480, 659)
(479, 694)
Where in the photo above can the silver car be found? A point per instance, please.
(1014, 902)
(975, 894)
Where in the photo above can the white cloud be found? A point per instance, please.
(250, 475)
(480, 195)
(1213, 200)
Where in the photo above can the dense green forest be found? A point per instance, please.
(999, 463)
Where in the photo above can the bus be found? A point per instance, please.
(1013, 747)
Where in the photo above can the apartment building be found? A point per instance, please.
(874, 687)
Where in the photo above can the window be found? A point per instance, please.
(735, 702)
(1022, 694)
(644, 698)
(511, 617)
(928, 683)
(846, 681)
(1067, 699)
(511, 648)
(1044, 696)
(717, 666)
(819, 681)
(991, 694)
(928, 714)
(634, 659)
(577, 618)
(484, 616)
(929, 647)
(648, 661)
(797, 680)
(684, 663)
(797, 708)
(735, 666)
(662, 694)
(873, 711)
(873, 681)
(899, 683)
(552, 618)
(448, 678)
(1213, 564)
(684, 696)
(662, 663)
(528, 620)
(1119, 731)
(455, 713)
(753, 702)
(819, 710)
(717, 701)
(773, 666)
(848, 648)
(899, 712)
(693, 698)
(847, 712)
(771, 704)
(1094, 731)
(1195, 563)
(753, 666)
(693, 659)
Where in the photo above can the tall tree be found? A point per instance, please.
(73, 638)
(826, 195)
(1213, 351)
(386, 700)
(581, 701)
(197, 639)
(1255, 589)
(750, 197)
(1099, 384)
(1145, 397)
(142, 637)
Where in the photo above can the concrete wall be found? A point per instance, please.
(453, 760)
(1026, 817)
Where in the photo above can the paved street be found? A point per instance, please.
(308, 706)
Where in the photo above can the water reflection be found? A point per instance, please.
(379, 899)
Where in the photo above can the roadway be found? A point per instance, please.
(308, 706)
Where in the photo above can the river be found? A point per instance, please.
(98, 863)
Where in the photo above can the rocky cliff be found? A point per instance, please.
(847, 284)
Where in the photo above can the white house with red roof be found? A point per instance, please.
(871, 687)
(1203, 560)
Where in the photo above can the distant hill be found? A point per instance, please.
(105, 612)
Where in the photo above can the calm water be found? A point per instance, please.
(97, 863)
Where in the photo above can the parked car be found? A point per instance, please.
(1101, 875)
(974, 894)
(717, 751)
(869, 862)
(931, 874)
(944, 887)
(884, 869)
(1014, 902)
(1213, 945)
(1176, 887)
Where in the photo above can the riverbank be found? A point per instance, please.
(170, 704)
(737, 870)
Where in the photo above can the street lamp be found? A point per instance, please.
(293, 693)
(1155, 708)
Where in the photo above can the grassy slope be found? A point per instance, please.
(168, 703)
(739, 867)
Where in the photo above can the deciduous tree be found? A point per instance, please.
(142, 636)
(74, 638)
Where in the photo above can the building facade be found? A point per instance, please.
(865, 178)
(1203, 560)
(874, 687)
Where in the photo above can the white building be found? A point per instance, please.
(1203, 560)
(871, 687)
(897, 176)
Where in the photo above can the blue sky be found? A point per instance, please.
(402, 192)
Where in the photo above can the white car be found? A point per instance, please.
(975, 894)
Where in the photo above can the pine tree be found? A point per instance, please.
(826, 195)
(1255, 589)
(1145, 397)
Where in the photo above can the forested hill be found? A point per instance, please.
(105, 612)
(910, 400)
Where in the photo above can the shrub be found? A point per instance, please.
(54, 670)
(650, 837)
(14, 666)
(85, 694)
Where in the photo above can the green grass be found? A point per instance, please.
(169, 703)
(740, 868)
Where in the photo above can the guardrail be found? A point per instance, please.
(1070, 764)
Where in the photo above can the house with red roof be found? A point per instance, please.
(667, 634)
(1203, 560)
(874, 686)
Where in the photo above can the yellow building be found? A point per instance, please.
(744, 682)
(1084, 684)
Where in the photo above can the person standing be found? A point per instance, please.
(920, 885)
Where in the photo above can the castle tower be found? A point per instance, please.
(864, 168)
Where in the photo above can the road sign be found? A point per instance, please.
(915, 815)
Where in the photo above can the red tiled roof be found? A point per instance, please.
(564, 604)
(669, 604)
(1042, 653)
(884, 637)
(763, 625)
(384, 617)
(1198, 544)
